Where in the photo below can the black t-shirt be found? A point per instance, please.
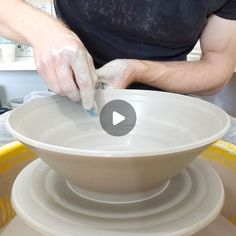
(163, 30)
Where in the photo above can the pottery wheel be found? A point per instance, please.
(190, 201)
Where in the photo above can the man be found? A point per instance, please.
(133, 41)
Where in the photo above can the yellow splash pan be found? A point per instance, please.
(15, 156)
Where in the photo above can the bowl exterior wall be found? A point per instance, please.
(118, 175)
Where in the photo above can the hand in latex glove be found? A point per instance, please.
(66, 66)
(116, 74)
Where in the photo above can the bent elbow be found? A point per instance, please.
(212, 92)
(216, 89)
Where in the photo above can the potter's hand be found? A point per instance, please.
(66, 66)
(117, 74)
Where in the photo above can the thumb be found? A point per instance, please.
(112, 72)
(105, 74)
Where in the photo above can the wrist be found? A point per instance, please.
(47, 28)
(148, 72)
(41, 26)
(137, 70)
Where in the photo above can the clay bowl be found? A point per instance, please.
(170, 132)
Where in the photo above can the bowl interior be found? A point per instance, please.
(165, 123)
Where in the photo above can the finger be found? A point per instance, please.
(105, 73)
(66, 80)
(84, 79)
(92, 69)
(113, 69)
(94, 110)
(113, 74)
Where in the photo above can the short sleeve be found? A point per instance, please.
(228, 10)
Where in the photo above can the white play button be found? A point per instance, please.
(117, 118)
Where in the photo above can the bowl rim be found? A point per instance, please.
(103, 153)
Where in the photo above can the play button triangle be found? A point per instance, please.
(117, 118)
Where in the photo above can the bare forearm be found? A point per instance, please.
(22, 22)
(206, 76)
(202, 77)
